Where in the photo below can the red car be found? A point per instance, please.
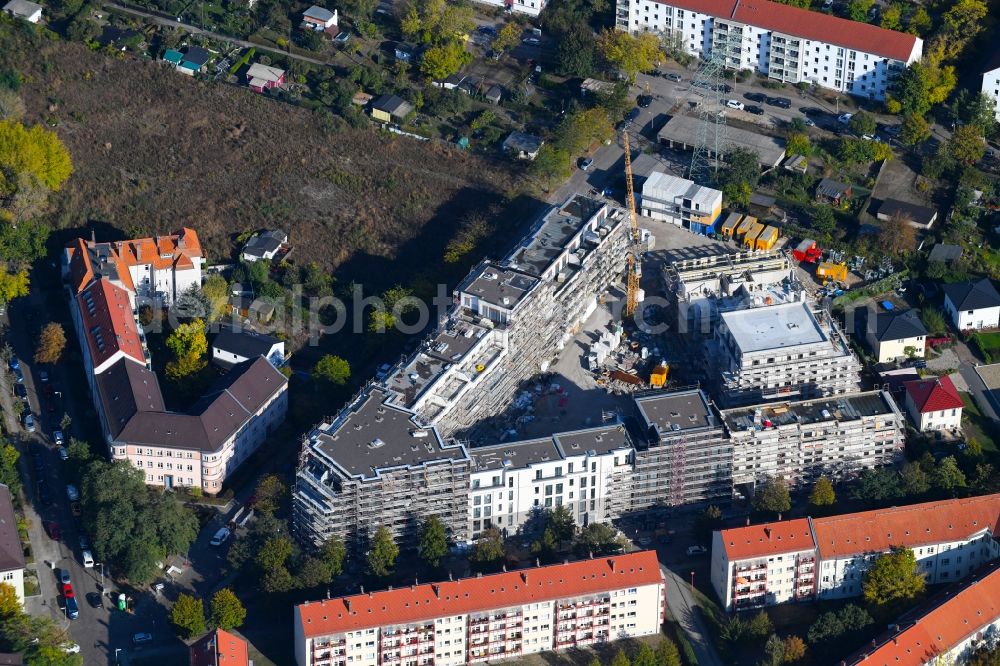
(53, 529)
(68, 590)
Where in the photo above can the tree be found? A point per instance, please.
(562, 524)
(863, 123)
(598, 539)
(35, 151)
(876, 485)
(774, 651)
(973, 108)
(188, 615)
(897, 236)
(737, 194)
(621, 659)
(948, 476)
(332, 554)
(629, 54)
(966, 144)
(277, 581)
(921, 85)
(227, 611)
(742, 166)
(795, 649)
(189, 345)
(857, 10)
(892, 17)
(645, 656)
(383, 553)
(433, 541)
(667, 653)
(79, 451)
(11, 105)
(440, 62)
(51, 344)
(920, 22)
(332, 370)
(827, 627)
(13, 284)
(489, 550)
(893, 577)
(914, 129)
(581, 130)
(215, 292)
(269, 493)
(508, 38)
(575, 53)
(914, 480)
(822, 493)
(798, 144)
(274, 553)
(773, 497)
(760, 626)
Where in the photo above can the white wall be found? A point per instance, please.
(15, 578)
(991, 86)
(528, 7)
(972, 319)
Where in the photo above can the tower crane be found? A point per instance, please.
(634, 255)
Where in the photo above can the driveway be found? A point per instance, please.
(683, 608)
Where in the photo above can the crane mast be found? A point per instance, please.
(632, 268)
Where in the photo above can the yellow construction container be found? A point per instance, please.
(750, 237)
(658, 377)
(728, 227)
(744, 227)
(767, 238)
(832, 271)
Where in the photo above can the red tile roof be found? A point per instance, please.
(934, 395)
(175, 250)
(910, 526)
(744, 543)
(219, 648)
(960, 615)
(470, 595)
(806, 24)
(108, 322)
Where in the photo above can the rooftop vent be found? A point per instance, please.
(376, 443)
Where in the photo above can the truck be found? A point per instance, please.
(807, 252)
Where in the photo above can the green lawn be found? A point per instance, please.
(974, 424)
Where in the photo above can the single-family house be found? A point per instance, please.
(173, 57)
(972, 305)
(894, 335)
(264, 245)
(119, 38)
(946, 254)
(11, 552)
(263, 77)
(594, 87)
(320, 20)
(232, 346)
(918, 216)
(390, 108)
(452, 82)
(494, 94)
(219, 648)
(193, 60)
(405, 52)
(24, 10)
(523, 146)
(832, 191)
(934, 404)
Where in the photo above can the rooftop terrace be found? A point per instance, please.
(553, 234)
(849, 407)
(498, 286)
(592, 441)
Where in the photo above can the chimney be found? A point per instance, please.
(479, 574)
(347, 602)
(437, 590)
(138, 252)
(779, 517)
(363, 589)
(450, 577)
(748, 521)
(611, 563)
(767, 532)
(505, 567)
(524, 577)
(93, 236)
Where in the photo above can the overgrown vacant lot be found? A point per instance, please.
(155, 150)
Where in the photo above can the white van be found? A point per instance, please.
(220, 537)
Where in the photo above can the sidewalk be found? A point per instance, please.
(683, 608)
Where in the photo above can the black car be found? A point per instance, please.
(726, 88)
(644, 101)
(754, 97)
(811, 111)
(20, 390)
(781, 102)
(754, 109)
(632, 115)
(94, 599)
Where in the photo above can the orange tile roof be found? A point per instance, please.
(743, 543)
(175, 250)
(82, 269)
(470, 595)
(910, 526)
(108, 322)
(219, 648)
(815, 26)
(960, 615)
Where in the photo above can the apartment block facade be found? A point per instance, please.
(826, 558)
(486, 618)
(680, 201)
(799, 441)
(787, 44)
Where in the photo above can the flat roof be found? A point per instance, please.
(676, 411)
(599, 440)
(592, 441)
(667, 187)
(371, 435)
(684, 129)
(556, 229)
(845, 407)
(773, 327)
(455, 341)
(503, 287)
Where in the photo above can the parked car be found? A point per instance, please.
(29, 422)
(21, 391)
(811, 111)
(63, 454)
(632, 115)
(84, 542)
(644, 101)
(71, 648)
(735, 104)
(780, 102)
(696, 550)
(845, 118)
(43, 375)
(18, 374)
(74, 508)
(52, 529)
(754, 97)
(13, 363)
(87, 559)
(57, 437)
(64, 578)
(94, 599)
(67, 591)
(220, 537)
(586, 163)
(531, 41)
(676, 78)
(72, 493)
(809, 122)
(142, 637)
(72, 609)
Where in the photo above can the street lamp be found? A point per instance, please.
(117, 650)
(101, 564)
(692, 582)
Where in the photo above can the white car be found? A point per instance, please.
(696, 550)
(72, 493)
(58, 437)
(71, 648)
(845, 118)
(809, 122)
(88, 559)
(735, 104)
(220, 537)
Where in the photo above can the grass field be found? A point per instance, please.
(975, 425)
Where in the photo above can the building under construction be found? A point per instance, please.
(799, 441)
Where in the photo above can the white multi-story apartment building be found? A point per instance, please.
(799, 441)
(11, 551)
(587, 471)
(955, 623)
(784, 43)
(486, 618)
(991, 82)
(527, 7)
(782, 351)
(826, 558)
(680, 201)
